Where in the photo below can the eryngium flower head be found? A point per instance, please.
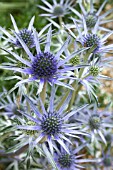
(91, 20)
(91, 40)
(56, 9)
(95, 121)
(44, 65)
(25, 34)
(94, 71)
(66, 160)
(52, 125)
(75, 60)
(11, 104)
(70, 161)
(92, 17)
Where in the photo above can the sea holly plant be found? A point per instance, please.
(26, 34)
(56, 9)
(92, 16)
(94, 122)
(52, 118)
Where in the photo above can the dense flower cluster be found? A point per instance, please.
(54, 115)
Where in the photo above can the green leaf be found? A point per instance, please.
(5, 6)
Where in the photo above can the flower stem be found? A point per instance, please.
(74, 95)
(76, 86)
(60, 21)
(43, 93)
(63, 100)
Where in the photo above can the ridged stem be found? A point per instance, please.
(43, 96)
(74, 96)
(60, 21)
(63, 100)
(43, 93)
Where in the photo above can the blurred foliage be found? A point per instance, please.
(22, 12)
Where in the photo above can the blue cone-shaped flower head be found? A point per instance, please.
(56, 9)
(25, 34)
(44, 66)
(95, 122)
(92, 17)
(66, 160)
(92, 39)
(91, 20)
(52, 125)
(70, 161)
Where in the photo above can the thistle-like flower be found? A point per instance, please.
(25, 34)
(91, 39)
(52, 125)
(95, 122)
(96, 66)
(70, 161)
(56, 9)
(10, 104)
(43, 66)
(93, 74)
(75, 60)
(92, 17)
